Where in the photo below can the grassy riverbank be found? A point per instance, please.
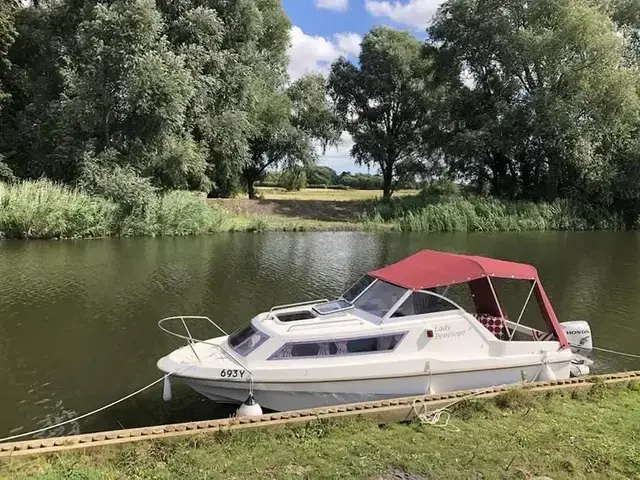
(41, 209)
(515, 436)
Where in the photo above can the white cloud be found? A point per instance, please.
(335, 5)
(416, 14)
(309, 53)
(348, 43)
(339, 158)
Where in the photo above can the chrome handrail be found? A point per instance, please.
(193, 341)
(299, 304)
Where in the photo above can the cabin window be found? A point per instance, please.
(332, 307)
(419, 303)
(296, 316)
(380, 298)
(246, 340)
(357, 288)
(383, 343)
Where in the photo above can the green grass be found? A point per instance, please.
(42, 209)
(516, 436)
(324, 194)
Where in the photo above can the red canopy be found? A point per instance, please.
(430, 268)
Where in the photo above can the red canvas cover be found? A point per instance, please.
(431, 268)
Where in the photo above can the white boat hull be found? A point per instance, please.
(301, 395)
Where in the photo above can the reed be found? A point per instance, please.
(427, 213)
(43, 209)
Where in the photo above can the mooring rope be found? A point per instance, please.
(434, 417)
(624, 354)
(97, 410)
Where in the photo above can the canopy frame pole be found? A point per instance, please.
(524, 307)
(495, 297)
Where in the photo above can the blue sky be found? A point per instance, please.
(324, 30)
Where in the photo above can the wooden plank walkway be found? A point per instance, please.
(400, 409)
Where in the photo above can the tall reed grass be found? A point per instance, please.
(43, 209)
(425, 213)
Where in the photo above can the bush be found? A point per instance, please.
(6, 174)
(293, 178)
(122, 185)
(442, 187)
(173, 213)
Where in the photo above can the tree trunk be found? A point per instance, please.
(251, 189)
(387, 179)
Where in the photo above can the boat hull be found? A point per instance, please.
(301, 395)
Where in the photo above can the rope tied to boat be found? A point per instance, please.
(441, 417)
(97, 410)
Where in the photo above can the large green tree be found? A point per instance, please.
(549, 95)
(387, 103)
(236, 52)
(286, 125)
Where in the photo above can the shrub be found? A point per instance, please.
(173, 213)
(294, 178)
(6, 174)
(122, 185)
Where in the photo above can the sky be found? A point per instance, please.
(324, 30)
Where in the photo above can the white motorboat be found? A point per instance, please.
(396, 332)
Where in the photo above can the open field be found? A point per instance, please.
(326, 194)
(517, 435)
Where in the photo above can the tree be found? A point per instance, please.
(285, 125)
(236, 52)
(321, 175)
(7, 34)
(550, 97)
(386, 103)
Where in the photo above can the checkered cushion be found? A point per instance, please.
(494, 324)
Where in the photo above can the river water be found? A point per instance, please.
(78, 318)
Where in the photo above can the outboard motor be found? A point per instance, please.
(579, 337)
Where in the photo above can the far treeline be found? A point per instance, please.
(534, 101)
(318, 176)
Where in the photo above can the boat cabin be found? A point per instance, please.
(417, 288)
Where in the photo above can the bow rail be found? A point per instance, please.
(191, 340)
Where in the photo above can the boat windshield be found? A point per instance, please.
(246, 339)
(380, 298)
(357, 288)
